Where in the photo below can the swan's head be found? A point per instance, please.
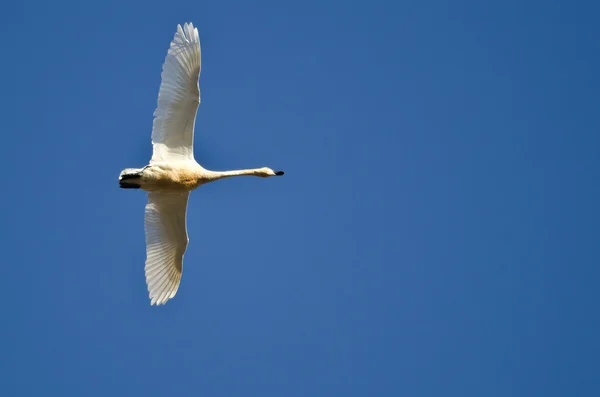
(266, 172)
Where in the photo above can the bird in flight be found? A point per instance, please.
(173, 172)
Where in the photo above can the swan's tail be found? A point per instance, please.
(130, 178)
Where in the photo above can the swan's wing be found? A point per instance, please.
(166, 242)
(178, 98)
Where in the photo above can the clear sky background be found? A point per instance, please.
(436, 232)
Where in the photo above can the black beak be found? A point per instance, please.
(279, 172)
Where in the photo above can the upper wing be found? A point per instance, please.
(178, 98)
(166, 242)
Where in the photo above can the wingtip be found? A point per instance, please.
(155, 302)
(188, 32)
(162, 300)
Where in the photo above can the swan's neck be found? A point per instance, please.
(216, 175)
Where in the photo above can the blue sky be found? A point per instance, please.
(436, 232)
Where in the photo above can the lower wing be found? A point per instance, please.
(166, 242)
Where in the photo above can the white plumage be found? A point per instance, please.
(178, 98)
(173, 172)
(166, 242)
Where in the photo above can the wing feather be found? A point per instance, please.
(178, 98)
(166, 242)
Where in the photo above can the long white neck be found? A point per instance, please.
(216, 175)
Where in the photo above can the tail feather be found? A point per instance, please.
(129, 178)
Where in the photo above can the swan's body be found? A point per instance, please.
(173, 172)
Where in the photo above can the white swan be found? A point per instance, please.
(173, 172)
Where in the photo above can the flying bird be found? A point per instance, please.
(173, 172)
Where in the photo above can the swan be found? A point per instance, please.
(173, 172)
